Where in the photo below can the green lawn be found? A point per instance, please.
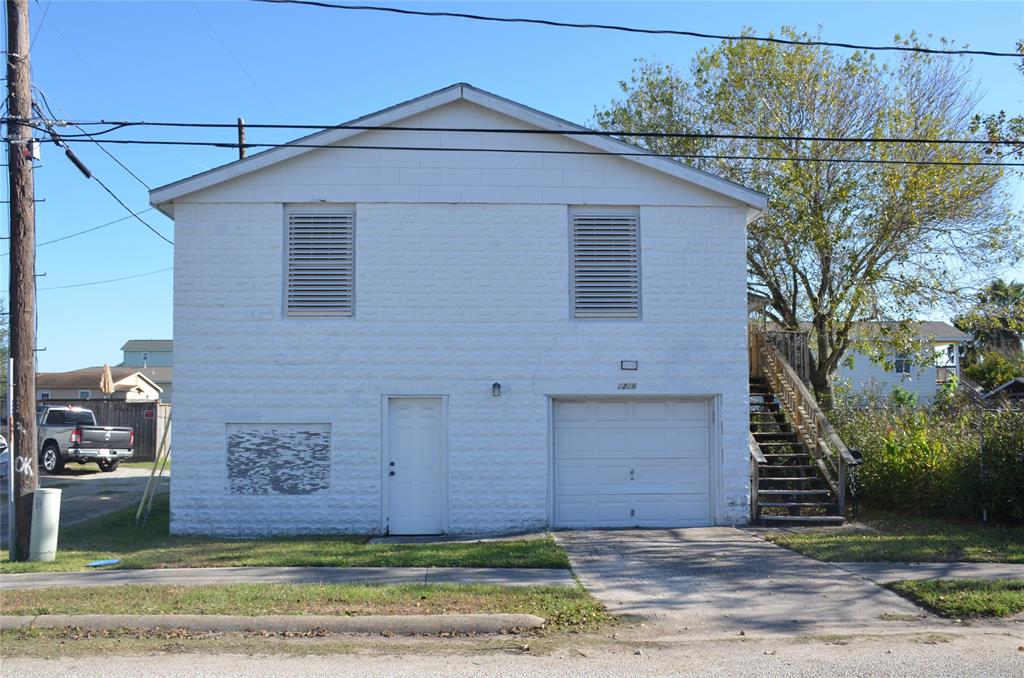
(565, 608)
(966, 598)
(117, 536)
(896, 538)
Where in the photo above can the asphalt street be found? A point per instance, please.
(969, 654)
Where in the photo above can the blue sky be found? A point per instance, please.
(163, 61)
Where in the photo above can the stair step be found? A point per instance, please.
(789, 492)
(793, 479)
(803, 520)
(777, 436)
(796, 504)
(785, 467)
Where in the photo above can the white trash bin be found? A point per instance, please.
(45, 524)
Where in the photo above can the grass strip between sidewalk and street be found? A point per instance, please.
(965, 598)
(907, 539)
(116, 535)
(567, 608)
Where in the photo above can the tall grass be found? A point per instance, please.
(948, 459)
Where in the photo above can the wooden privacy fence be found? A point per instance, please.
(148, 419)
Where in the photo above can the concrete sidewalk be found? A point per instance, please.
(720, 580)
(884, 573)
(214, 576)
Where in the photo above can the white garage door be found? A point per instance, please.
(631, 463)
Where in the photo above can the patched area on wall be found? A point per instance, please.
(278, 458)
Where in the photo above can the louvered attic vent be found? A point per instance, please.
(605, 266)
(321, 270)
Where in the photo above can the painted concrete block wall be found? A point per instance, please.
(449, 299)
(462, 280)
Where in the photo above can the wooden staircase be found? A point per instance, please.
(799, 464)
(790, 488)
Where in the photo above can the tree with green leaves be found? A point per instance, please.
(851, 233)
(996, 319)
(1001, 128)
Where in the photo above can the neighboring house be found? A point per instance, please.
(129, 384)
(922, 373)
(1012, 390)
(155, 358)
(429, 341)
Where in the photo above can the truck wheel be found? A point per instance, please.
(50, 460)
(109, 466)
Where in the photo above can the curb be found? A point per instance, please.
(426, 624)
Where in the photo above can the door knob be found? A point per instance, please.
(391, 473)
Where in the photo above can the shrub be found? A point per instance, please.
(902, 397)
(995, 368)
(929, 461)
(1002, 475)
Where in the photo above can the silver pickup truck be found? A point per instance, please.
(71, 434)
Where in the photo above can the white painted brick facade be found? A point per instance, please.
(462, 280)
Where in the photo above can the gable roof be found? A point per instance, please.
(163, 197)
(148, 345)
(933, 330)
(89, 378)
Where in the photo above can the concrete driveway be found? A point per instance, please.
(87, 492)
(722, 580)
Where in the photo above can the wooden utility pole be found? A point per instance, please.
(24, 459)
(241, 138)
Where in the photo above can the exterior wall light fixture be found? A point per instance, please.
(496, 390)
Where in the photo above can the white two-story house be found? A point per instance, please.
(410, 331)
(922, 372)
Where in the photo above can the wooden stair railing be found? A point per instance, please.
(812, 427)
(756, 459)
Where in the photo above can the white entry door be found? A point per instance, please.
(414, 466)
(632, 462)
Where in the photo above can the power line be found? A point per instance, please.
(39, 28)
(87, 230)
(237, 61)
(72, 48)
(121, 124)
(632, 29)
(115, 159)
(46, 102)
(57, 140)
(135, 214)
(104, 282)
(625, 154)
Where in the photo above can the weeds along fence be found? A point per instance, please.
(958, 457)
(147, 419)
